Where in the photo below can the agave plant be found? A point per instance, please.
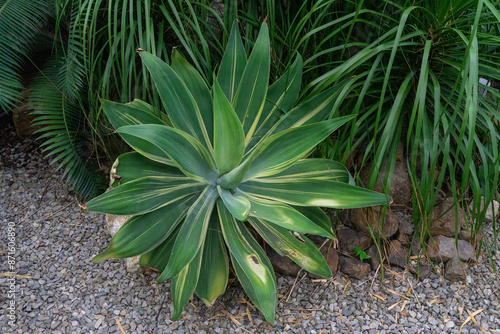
(225, 163)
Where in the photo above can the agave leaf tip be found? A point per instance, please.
(102, 256)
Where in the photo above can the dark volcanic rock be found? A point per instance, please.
(364, 219)
(332, 258)
(398, 254)
(374, 256)
(401, 188)
(349, 238)
(404, 239)
(353, 267)
(423, 270)
(283, 264)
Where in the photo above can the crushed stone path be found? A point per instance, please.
(58, 289)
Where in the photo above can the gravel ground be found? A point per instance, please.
(63, 291)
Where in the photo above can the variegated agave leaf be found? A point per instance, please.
(221, 157)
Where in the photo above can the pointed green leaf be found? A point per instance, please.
(198, 89)
(252, 90)
(182, 149)
(120, 114)
(245, 282)
(128, 114)
(180, 105)
(192, 233)
(214, 271)
(253, 268)
(131, 166)
(315, 109)
(281, 150)
(142, 233)
(233, 64)
(184, 284)
(284, 215)
(158, 257)
(312, 169)
(229, 140)
(318, 216)
(146, 107)
(144, 195)
(281, 97)
(238, 205)
(322, 193)
(298, 248)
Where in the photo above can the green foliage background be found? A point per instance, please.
(410, 70)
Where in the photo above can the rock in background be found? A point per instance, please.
(401, 188)
(113, 224)
(444, 222)
(21, 115)
(364, 219)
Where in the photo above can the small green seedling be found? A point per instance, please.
(361, 254)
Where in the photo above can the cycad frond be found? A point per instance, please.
(64, 126)
(20, 23)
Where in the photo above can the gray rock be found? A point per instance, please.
(492, 211)
(444, 219)
(442, 249)
(465, 235)
(374, 256)
(349, 238)
(454, 270)
(346, 311)
(398, 255)
(353, 267)
(450, 324)
(422, 271)
(406, 227)
(404, 239)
